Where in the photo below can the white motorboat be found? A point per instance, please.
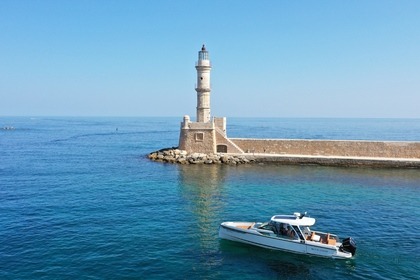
(289, 233)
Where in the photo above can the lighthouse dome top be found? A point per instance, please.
(203, 48)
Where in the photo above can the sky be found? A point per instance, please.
(333, 59)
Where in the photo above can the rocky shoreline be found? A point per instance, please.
(174, 155)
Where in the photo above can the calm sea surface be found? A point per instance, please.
(80, 200)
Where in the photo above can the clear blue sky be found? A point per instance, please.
(270, 58)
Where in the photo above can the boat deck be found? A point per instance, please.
(245, 226)
(321, 237)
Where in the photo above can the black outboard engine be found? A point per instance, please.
(348, 245)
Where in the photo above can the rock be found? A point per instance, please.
(174, 155)
(182, 161)
(169, 159)
(152, 156)
(224, 159)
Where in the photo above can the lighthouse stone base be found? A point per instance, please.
(206, 137)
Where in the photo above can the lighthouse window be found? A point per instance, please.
(199, 137)
(201, 78)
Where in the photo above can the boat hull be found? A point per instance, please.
(252, 236)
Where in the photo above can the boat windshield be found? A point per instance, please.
(267, 226)
(286, 231)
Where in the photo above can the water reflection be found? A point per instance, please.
(201, 188)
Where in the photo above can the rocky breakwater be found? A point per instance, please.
(174, 155)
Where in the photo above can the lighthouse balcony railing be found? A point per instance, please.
(202, 89)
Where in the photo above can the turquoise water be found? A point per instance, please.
(79, 199)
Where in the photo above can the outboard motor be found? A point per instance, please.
(348, 245)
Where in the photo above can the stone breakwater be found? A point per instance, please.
(174, 155)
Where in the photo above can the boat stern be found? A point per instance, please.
(348, 246)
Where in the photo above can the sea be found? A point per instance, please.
(79, 199)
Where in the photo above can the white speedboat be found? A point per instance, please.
(289, 233)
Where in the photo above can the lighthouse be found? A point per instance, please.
(206, 134)
(203, 86)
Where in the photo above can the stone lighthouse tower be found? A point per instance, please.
(205, 135)
(203, 86)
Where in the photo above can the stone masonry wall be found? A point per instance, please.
(190, 142)
(223, 140)
(331, 147)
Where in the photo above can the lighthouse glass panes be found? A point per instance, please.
(203, 54)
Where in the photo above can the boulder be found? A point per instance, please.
(174, 155)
